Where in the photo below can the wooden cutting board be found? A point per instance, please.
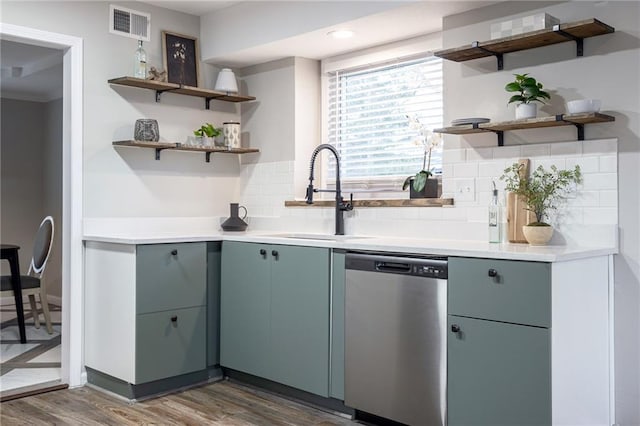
(517, 214)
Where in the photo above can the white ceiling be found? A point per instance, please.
(30, 72)
(403, 22)
(35, 73)
(197, 8)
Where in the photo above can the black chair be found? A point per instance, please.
(33, 283)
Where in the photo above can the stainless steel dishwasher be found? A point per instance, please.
(395, 337)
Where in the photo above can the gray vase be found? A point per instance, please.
(430, 190)
(146, 129)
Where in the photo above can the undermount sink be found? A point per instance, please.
(319, 237)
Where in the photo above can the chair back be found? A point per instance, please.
(42, 246)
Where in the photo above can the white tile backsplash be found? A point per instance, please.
(264, 187)
(600, 146)
(608, 164)
(536, 150)
(587, 164)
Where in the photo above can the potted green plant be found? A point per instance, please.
(529, 91)
(207, 134)
(541, 192)
(420, 185)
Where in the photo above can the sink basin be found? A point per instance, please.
(317, 237)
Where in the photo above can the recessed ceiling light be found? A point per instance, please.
(340, 33)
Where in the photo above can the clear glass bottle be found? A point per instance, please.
(140, 62)
(494, 217)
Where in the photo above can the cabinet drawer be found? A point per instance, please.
(170, 276)
(170, 343)
(498, 373)
(501, 290)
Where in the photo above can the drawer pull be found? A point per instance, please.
(174, 318)
(275, 254)
(263, 253)
(455, 328)
(493, 273)
(174, 252)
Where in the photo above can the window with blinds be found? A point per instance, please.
(367, 121)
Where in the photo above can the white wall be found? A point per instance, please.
(609, 71)
(22, 175)
(31, 176)
(52, 190)
(127, 181)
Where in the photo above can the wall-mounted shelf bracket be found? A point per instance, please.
(160, 92)
(579, 41)
(499, 133)
(207, 104)
(158, 153)
(207, 155)
(499, 56)
(579, 126)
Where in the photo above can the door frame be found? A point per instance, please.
(72, 249)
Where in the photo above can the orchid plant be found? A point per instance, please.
(429, 141)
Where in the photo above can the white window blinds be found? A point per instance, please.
(367, 121)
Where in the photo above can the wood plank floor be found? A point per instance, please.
(221, 403)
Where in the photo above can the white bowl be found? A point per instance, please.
(583, 105)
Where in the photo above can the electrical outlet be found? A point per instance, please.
(465, 190)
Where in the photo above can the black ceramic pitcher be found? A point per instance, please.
(235, 222)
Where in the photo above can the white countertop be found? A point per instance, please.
(379, 244)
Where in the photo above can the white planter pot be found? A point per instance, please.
(524, 111)
(537, 235)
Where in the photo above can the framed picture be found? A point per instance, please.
(181, 57)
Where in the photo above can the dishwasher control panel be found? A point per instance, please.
(427, 267)
(430, 271)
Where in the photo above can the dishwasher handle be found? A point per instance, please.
(394, 267)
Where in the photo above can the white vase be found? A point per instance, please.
(537, 235)
(524, 111)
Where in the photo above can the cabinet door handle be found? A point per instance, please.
(455, 328)
(493, 273)
(275, 254)
(174, 252)
(263, 253)
(174, 319)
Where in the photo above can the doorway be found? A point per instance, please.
(70, 222)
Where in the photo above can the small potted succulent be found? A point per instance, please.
(541, 192)
(206, 134)
(420, 184)
(529, 91)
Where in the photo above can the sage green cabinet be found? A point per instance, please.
(146, 316)
(213, 303)
(336, 384)
(170, 343)
(245, 308)
(498, 373)
(499, 342)
(275, 313)
(171, 321)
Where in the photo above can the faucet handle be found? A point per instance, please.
(309, 196)
(347, 206)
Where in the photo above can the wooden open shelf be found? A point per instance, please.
(576, 31)
(578, 120)
(208, 150)
(160, 87)
(414, 202)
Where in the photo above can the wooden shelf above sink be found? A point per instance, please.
(578, 120)
(575, 31)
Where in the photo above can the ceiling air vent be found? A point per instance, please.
(129, 23)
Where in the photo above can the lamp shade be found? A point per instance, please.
(226, 81)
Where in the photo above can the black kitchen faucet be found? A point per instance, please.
(341, 205)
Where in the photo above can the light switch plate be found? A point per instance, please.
(465, 190)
